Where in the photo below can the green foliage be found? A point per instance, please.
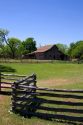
(3, 40)
(3, 32)
(62, 47)
(4, 51)
(3, 35)
(14, 45)
(29, 45)
(14, 48)
(71, 49)
(76, 50)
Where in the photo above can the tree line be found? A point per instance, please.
(15, 48)
(74, 50)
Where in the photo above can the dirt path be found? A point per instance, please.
(56, 82)
(2, 98)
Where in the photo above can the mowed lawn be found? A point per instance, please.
(52, 75)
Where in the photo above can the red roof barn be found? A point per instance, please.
(49, 52)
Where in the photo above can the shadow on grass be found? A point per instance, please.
(36, 109)
(6, 93)
(6, 69)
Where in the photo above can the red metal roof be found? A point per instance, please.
(44, 48)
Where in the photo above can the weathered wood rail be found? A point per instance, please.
(61, 104)
(20, 98)
(6, 80)
(29, 100)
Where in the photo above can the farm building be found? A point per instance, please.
(49, 52)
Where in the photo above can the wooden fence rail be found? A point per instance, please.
(30, 100)
(0, 81)
(6, 80)
(16, 95)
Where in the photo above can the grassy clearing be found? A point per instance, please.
(53, 75)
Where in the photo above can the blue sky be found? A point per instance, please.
(47, 21)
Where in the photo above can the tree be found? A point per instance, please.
(62, 47)
(29, 45)
(4, 51)
(14, 44)
(71, 47)
(76, 50)
(3, 36)
(3, 42)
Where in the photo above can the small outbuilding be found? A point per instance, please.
(49, 52)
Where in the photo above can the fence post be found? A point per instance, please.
(35, 80)
(0, 81)
(14, 94)
(35, 84)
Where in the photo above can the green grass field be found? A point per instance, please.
(52, 75)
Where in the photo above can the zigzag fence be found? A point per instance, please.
(6, 81)
(60, 104)
(23, 93)
(54, 104)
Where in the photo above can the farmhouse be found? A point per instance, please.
(49, 52)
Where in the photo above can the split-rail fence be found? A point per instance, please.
(27, 99)
(62, 104)
(6, 81)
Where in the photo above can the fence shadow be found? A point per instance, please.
(6, 69)
(38, 104)
(58, 105)
(8, 93)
